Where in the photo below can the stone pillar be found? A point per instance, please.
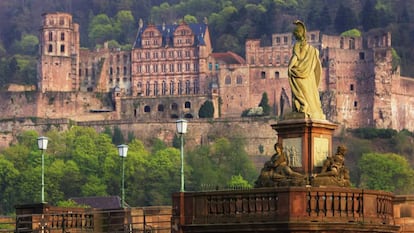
(306, 143)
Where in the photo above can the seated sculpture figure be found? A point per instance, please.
(334, 172)
(276, 172)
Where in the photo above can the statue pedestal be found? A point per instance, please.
(306, 143)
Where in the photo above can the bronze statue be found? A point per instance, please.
(276, 172)
(334, 172)
(304, 73)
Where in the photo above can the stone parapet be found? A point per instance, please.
(289, 209)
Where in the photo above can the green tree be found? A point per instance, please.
(27, 45)
(264, 103)
(345, 19)
(162, 176)
(238, 182)
(206, 110)
(8, 183)
(220, 161)
(389, 172)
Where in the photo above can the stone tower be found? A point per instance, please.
(58, 64)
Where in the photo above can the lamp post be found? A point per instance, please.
(123, 151)
(182, 129)
(42, 144)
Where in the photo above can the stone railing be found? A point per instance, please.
(297, 204)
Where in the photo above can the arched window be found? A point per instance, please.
(227, 80)
(163, 88)
(155, 88)
(50, 49)
(187, 104)
(147, 108)
(160, 108)
(172, 88)
(239, 80)
(148, 89)
(180, 88)
(174, 106)
(187, 87)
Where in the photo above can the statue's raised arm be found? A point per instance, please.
(304, 73)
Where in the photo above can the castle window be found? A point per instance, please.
(195, 86)
(351, 87)
(313, 37)
(285, 39)
(160, 108)
(147, 108)
(80, 72)
(117, 70)
(286, 58)
(147, 89)
(239, 79)
(217, 66)
(147, 68)
(263, 75)
(155, 55)
(187, 53)
(277, 40)
(278, 58)
(125, 70)
(155, 68)
(341, 43)
(187, 67)
(252, 60)
(111, 71)
(352, 43)
(139, 68)
(163, 68)
(227, 80)
(187, 87)
(179, 54)
(195, 66)
(86, 72)
(147, 55)
(163, 88)
(174, 106)
(155, 42)
(62, 36)
(172, 88)
(50, 49)
(61, 21)
(355, 104)
(155, 88)
(179, 67)
(180, 86)
(187, 104)
(277, 74)
(50, 36)
(361, 56)
(171, 67)
(171, 54)
(62, 48)
(162, 54)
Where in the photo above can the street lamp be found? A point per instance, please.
(42, 144)
(182, 129)
(123, 151)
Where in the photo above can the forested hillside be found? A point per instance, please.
(231, 22)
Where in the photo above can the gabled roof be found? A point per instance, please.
(110, 202)
(228, 58)
(167, 32)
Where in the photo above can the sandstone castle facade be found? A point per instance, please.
(172, 70)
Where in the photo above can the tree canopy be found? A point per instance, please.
(81, 162)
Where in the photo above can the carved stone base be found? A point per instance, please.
(306, 142)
